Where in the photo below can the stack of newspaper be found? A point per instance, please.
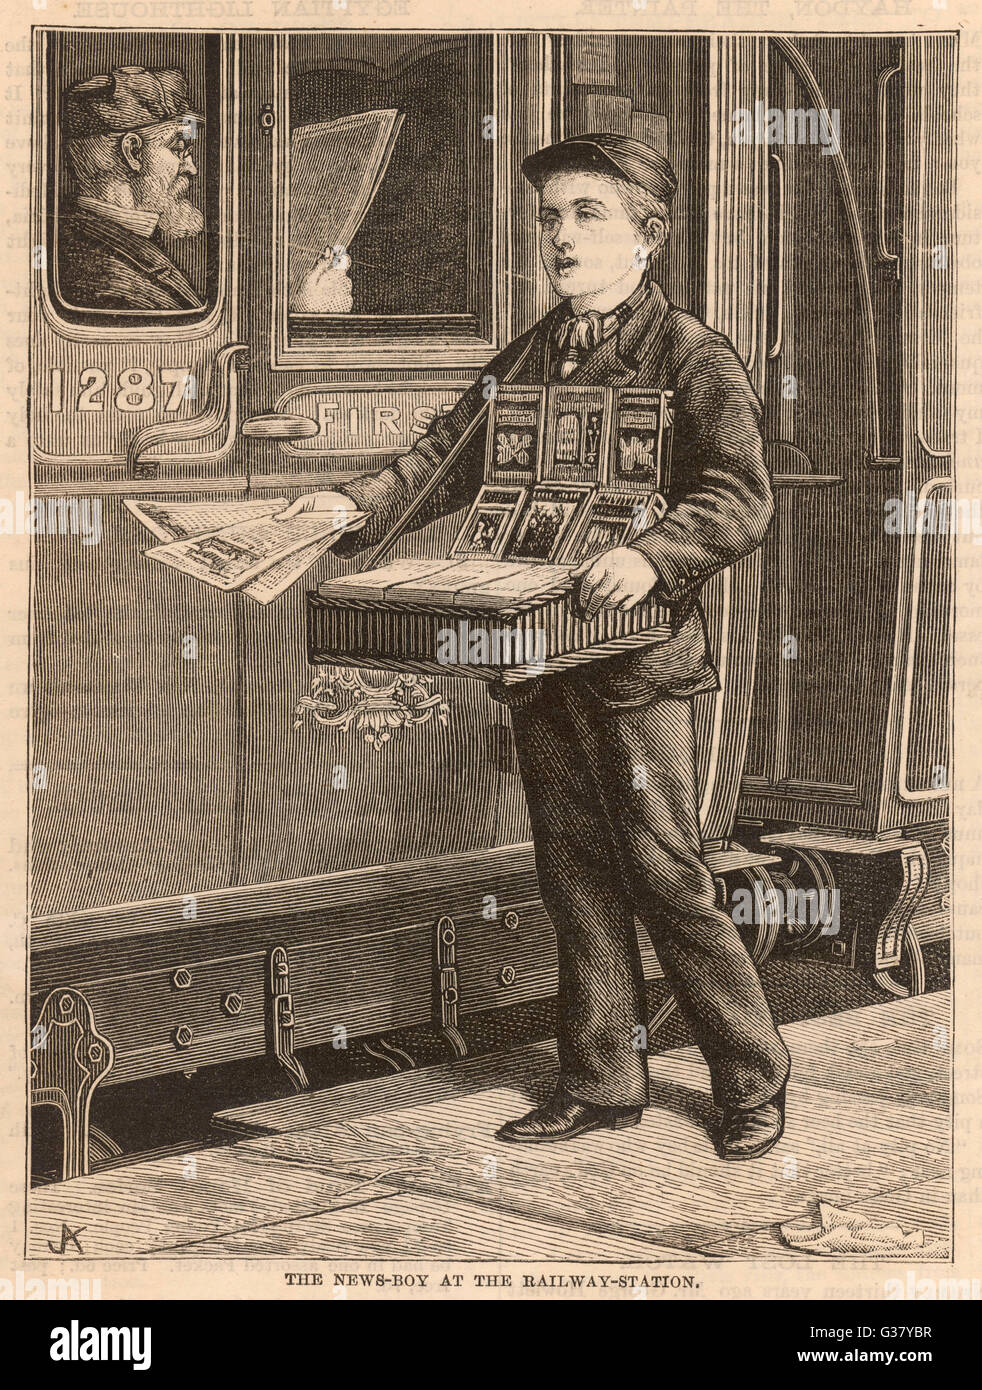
(239, 545)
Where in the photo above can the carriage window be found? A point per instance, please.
(133, 176)
(390, 162)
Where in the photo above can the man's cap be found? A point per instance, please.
(125, 99)
(605, 152)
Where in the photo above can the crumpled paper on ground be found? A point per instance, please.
(843, 1232)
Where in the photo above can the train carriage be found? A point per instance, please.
(238, 854)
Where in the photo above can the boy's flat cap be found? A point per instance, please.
(605, 152)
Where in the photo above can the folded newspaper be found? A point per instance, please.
(336, 170)
(239, 546)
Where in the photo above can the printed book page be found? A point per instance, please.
(273, 582)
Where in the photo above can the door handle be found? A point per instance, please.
(779, 309)
(883, 252)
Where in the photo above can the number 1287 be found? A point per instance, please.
(133, 390)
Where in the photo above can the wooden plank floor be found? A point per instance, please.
(169, 1202)
(924, 1207)
(895, 1052)
(407, 1167)
(414, 1226)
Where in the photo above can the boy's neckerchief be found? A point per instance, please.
(580, 334)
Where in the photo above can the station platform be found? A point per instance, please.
(407, 1167)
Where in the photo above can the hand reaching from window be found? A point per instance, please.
(327, 289)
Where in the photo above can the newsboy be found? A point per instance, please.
(607, 751)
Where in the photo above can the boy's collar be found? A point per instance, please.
(616, 361)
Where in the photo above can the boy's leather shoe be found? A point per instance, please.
(752, 1132)
(564, 1117)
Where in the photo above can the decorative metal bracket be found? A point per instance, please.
(446, 964)
(892, 931)
(281, 1020)
(69, 1057)
(384, 1051)
(221, 412)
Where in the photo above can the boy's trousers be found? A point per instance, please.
(612, 796)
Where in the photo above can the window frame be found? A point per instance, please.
(138, 325)
(516, 128)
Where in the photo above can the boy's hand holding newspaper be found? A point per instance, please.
(347, 517)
